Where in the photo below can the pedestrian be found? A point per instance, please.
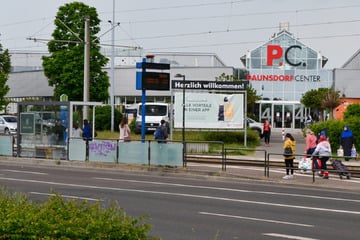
(267, 132)
(346, 142)
(161, 133)
(323, 132)
(59, 131)
(124, 131)
(323, 152)
(289, 145)
(310, 143)
(308, 121)
(87, 132)
(76, 131)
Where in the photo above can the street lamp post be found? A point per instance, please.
(183, 110)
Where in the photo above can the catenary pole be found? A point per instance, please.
(86, 67)
(112, 80)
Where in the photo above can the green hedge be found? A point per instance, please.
(335, 127)
(233, 137)
(66, 219)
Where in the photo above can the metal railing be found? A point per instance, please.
(174, 153)
(227, 150)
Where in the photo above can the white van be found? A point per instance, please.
(254, 125)
(8, 124)
(155, 112)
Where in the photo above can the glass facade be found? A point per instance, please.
(296, 53)
(281, 71)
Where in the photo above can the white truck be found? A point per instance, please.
(154, 113)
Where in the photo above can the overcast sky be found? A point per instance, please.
(226, 28)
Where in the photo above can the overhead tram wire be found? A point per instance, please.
(131, 38)
(182, 6)
(223, 31)
(239, 15)
(86, 42)
(243, 29)
(231, 2)
(248, 42)
(202, 5)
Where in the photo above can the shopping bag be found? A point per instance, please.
(340, 152)
(353, 151)
(305, 164)
(318, 162)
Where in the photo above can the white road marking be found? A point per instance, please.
(256, 219)
(228, 189)
(288, 236)
(66, 196)
(185, 195)
(29, 172)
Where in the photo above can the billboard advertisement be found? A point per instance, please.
(209, 110)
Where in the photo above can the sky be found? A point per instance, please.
(228, 28)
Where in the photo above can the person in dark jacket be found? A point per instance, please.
(59, 131)
(347, 141)
(163, 135)
(87, 131)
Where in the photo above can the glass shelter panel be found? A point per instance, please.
(43, 129)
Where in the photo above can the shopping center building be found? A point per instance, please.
(281, 70)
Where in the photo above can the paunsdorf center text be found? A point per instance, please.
(271, 77)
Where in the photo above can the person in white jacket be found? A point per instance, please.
(323, 152)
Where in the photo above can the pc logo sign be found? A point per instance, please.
(277, 52)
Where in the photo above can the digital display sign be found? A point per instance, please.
(155, 81)
(150, 80)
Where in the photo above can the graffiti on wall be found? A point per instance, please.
(102, 148)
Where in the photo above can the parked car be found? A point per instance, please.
(46, 119)
(254, 125)
(8, 124)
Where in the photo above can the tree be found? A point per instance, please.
(65, 65)
(311, 99)
(5, 67)
(321, 99)
(330, 101)
(252, 98)
(352, 110)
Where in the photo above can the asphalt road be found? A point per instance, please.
(200, 207)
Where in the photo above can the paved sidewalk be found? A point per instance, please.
(276, 173)
(232, 173)
(277, 140)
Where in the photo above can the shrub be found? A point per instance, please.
(103, 118)
(335, 127)
(66, 219)
(232, 137)
(132, 125)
